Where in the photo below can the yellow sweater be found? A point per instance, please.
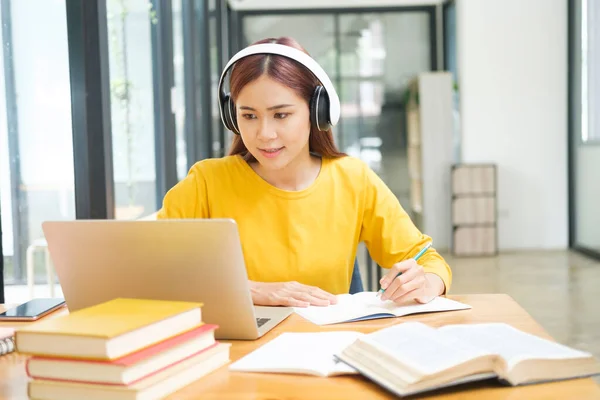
(311, 235)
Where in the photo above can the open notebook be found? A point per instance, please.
(309, 353)
(367, 305)
(412, 357)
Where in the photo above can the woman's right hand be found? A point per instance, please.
(289, 294)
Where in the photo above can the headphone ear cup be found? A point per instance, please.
(319, 109)
(229, 115)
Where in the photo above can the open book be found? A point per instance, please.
(309, 353)
(412, 357)
(367, 305)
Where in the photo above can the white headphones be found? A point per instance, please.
(324, 104)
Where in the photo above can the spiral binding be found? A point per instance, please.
(7, 345)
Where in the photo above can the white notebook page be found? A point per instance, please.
(363, 304)
(304, 353)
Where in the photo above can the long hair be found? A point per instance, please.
(289, 73)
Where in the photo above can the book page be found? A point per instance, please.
(423, 348)
(436, 305)
(349, 307)
(510, 343)
(368, 305)
(303, 353)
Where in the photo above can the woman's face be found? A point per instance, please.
(274, 122)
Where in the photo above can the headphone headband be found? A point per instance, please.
(294, 54)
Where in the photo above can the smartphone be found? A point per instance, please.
(32, 310)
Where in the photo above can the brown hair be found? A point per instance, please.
(289, 73)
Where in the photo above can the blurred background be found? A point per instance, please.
(480, 115)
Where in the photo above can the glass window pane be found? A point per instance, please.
(314, 32)
(451, 64)
(36, 146)
(179, 98)
(132, 107)
(380, 54)
(215, 75)
(450, 50)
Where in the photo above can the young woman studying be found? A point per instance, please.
(302, 207)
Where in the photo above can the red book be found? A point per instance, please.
(156, 386)
(129, 369)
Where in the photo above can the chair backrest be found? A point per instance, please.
(356, 284)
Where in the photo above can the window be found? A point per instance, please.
(36, 146)
(380, 54)
(179, 90)
(36, 133)
(132, 107)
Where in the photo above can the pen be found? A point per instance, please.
(419, 254)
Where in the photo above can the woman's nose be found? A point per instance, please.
(266, 131)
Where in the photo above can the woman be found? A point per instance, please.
(302, 207)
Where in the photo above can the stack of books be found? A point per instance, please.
(121, 349)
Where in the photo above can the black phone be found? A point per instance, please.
(32, 310)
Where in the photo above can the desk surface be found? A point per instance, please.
(223, 384)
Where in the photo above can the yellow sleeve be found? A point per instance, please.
(187, 199)
(391, 236)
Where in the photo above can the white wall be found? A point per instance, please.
(512, 60)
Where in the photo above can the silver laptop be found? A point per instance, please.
(197, 260)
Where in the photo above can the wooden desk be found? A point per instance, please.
(223, 384)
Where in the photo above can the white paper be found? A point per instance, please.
(367, 305)
(510, 343)
(309, 353)
(425, 349)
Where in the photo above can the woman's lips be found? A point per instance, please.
(271, 153)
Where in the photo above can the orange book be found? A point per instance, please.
(109, 330)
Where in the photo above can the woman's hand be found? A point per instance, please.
(412, 284)
(289, 294)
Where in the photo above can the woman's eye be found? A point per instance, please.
(281, 115)
(249, 116)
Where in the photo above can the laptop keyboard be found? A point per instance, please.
(261, 321)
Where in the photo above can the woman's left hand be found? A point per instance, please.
(413, 284)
